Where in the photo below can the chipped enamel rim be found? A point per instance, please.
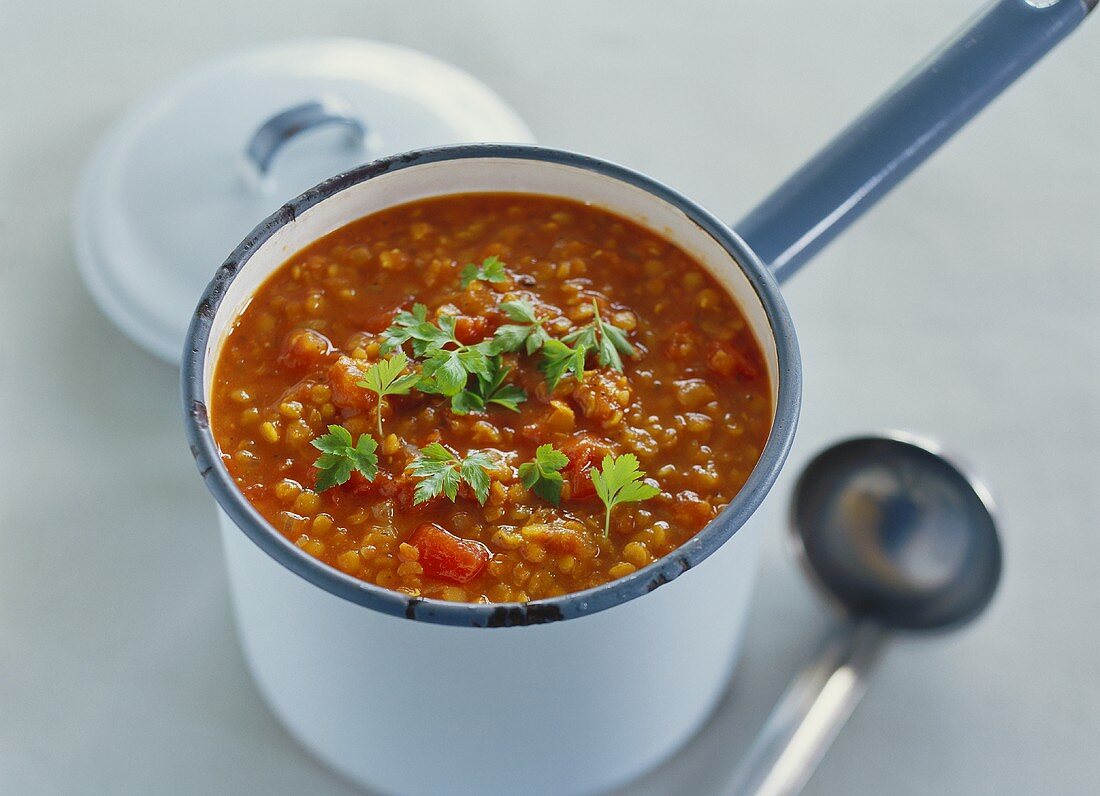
(567, 606)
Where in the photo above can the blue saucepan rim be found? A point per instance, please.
(568, 606)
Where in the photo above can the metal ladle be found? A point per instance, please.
(901, 539)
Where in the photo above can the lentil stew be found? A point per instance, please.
(490, 398)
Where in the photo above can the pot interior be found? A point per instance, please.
(492, 174)
(496, 169)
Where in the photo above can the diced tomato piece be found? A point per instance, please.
(305, 348)
(581, 479)
(584, 454)
(726, 360)
(470, 329)
(446, 556)
(344, 376)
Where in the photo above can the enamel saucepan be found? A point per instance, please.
(586, 691)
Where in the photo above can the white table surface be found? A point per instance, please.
(965, 306)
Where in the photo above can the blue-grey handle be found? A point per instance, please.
(280, 128)
(891, 139)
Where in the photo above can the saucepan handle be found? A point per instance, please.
(895, 135)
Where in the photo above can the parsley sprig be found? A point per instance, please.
(384, 378)
(619, 480)
(339, 457)
(541, 475)
(490, 270)
(450, 368)
(559, 360)
(603, 337)
(447, 362)
(415, 326)
(527, 332)
(489, 389)
(442, 472)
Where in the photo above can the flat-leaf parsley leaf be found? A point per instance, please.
(447, 362)
(339, 458)
(490, 270)
(527, 332)
(620, 481)
(416, 327)
(541, 475)
(489, 389)
(606, 339)
(558, 360)
(384, 378)
(442, 472)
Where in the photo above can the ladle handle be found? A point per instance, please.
(907, 125)
(810, 713)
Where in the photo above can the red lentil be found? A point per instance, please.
(694, 406)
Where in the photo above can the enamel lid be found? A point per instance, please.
(183, 177)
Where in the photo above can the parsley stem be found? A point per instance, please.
(380, 417)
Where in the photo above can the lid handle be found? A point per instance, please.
(270, 137)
